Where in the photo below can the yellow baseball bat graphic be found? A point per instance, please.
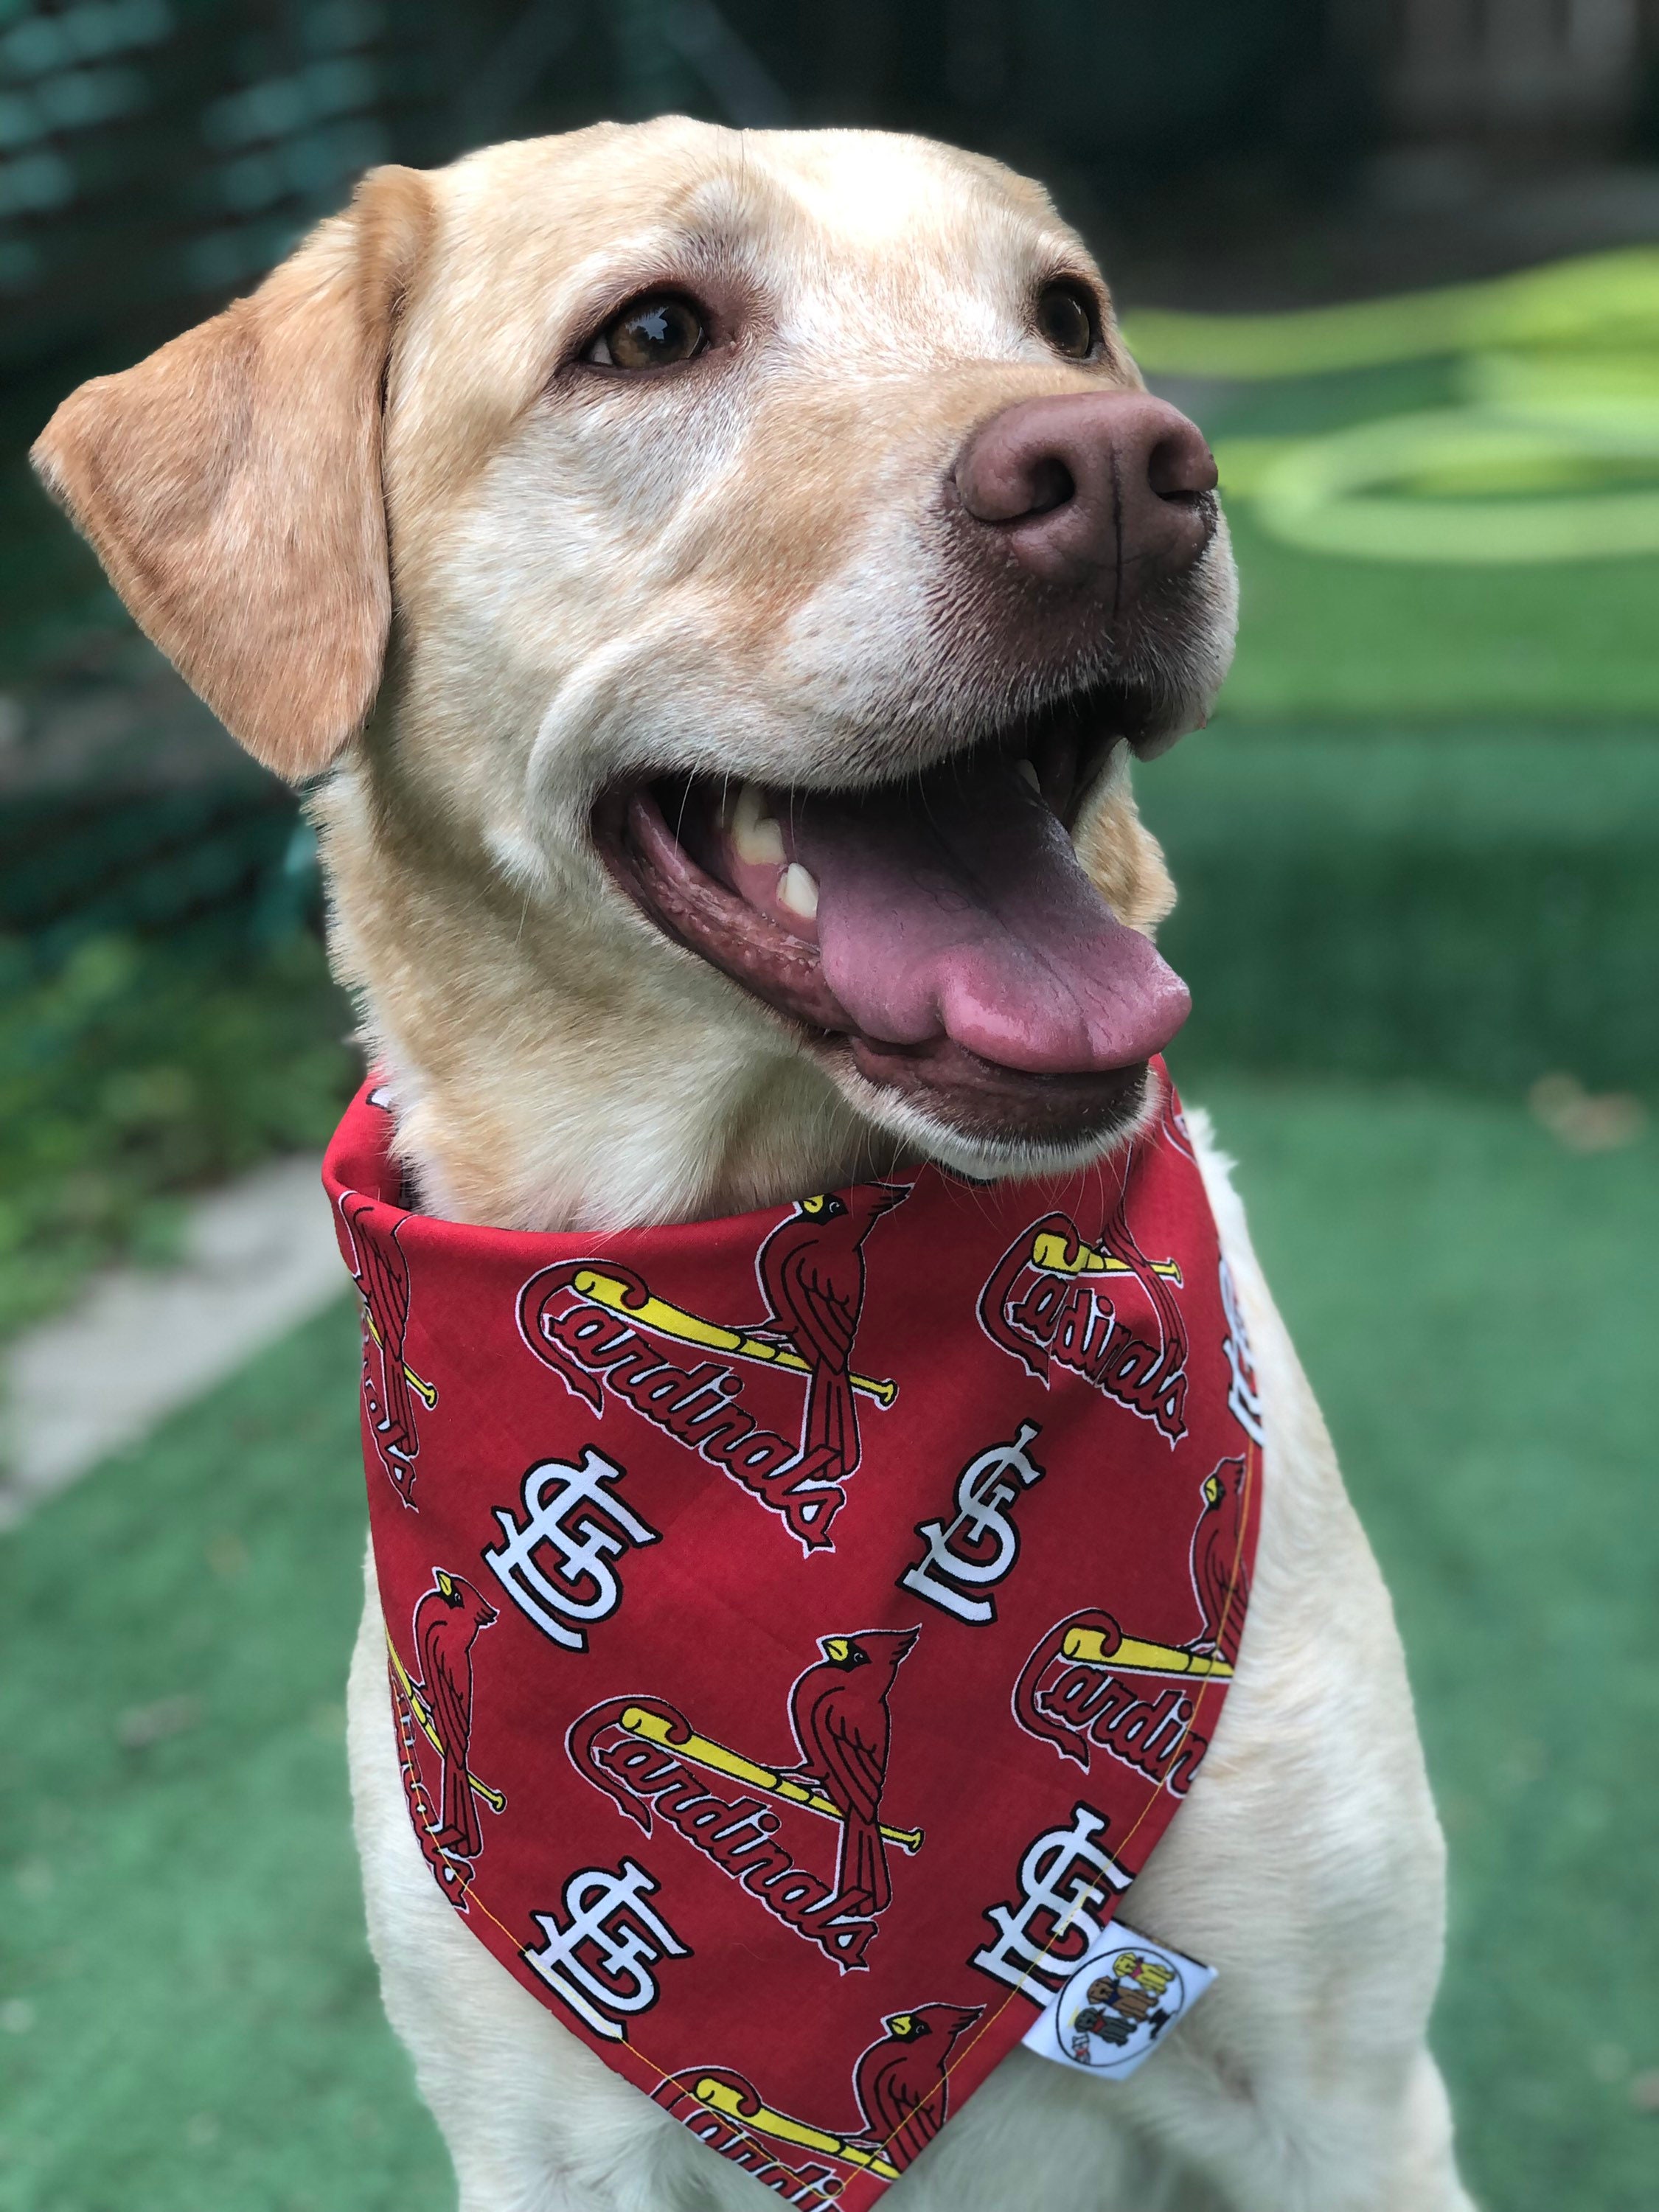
(701, 1751)
(1129, 1656)
(418, 1706)
(691, 1328)
(1049, 1251)
(721, 2097)
(425, 1391)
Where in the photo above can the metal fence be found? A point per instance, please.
(157, 156)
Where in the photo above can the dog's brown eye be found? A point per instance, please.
(1066, 320)
(650, 334)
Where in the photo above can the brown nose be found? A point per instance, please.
(1098, 491)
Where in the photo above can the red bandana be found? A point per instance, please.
(803, 1626)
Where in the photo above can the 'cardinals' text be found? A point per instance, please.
(611, 1746)
(593, 1350)
(1075, 1703)
(1053, 1300)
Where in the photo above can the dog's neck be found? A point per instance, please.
(543, 1074)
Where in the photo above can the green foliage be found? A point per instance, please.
(138, 1070)
(52, 586)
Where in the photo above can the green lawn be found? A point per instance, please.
(1324, 639)
(1321, 637)
(189, 2021)
(1469, 901)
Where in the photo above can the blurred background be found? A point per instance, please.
(1400, 258)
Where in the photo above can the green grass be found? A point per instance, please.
(1476, 1308)
(1325, 637)
(184, 1918)
(138, 1070)
(1467, 901)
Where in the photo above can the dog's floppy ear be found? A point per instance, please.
(230, 484)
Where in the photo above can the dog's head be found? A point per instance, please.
(765, 557)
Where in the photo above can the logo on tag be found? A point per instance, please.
(1123, 1998)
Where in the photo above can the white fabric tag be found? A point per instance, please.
(1124, 1996)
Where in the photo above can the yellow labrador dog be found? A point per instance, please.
(639, 532)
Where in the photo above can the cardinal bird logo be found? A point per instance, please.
(390, 1386)
(838, 1710)
(902, 2082)
(1221, 1574)
(447, 1620)
(811, 1270)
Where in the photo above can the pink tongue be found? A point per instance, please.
(957, 907)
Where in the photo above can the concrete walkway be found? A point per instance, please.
(260, 1257)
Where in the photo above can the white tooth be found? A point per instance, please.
(1029, 773)
(798, 890)
(755, 833)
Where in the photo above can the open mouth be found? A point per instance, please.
(937, 936)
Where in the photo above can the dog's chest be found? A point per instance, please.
(802, 1627)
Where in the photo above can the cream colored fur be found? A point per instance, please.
(391, 450)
